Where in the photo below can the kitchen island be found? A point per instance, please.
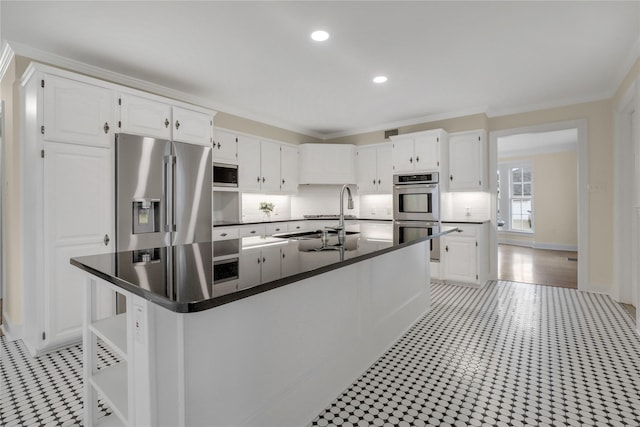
(256, 331)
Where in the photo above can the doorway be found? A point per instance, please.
(539, 235)
(537, 174)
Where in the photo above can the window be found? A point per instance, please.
(515, 196)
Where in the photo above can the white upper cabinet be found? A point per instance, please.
(77, 112)
(327, 164)
(191, 126)
(288, 168)
(143, 116)
(467, 158)
(225, 147)
(374, 169)
(158, 118)
(270, 166)
(419, 152)
(266, 166)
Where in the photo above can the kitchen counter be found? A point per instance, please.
(314, 218)
(268, 339)
(180, 279)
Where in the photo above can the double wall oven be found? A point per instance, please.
(416, 208)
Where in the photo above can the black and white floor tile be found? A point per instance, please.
(44, 391)
(509, 354)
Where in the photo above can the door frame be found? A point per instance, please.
(626, 116)
(3, 205)
(583, 195)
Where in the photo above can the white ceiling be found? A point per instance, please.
(256, 60)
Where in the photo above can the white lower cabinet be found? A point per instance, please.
(252, 230)
(259, 265)
(225, 233)
(464, 254)
(275, 227)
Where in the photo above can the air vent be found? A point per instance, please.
(390, 132)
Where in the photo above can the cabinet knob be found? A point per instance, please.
(417, 158)
(263, 260)
(166, 123)
(106, 127)
(446, 248)
(283, 182)
(450, 177)
(106, 240)
(282, 255)
(258, 260)
(263, 180)
(410, 159)
(177, 124)
(258, 180)
(219, 145)
(374, 182)
(253, 231)
(223, 234)
(378, 182)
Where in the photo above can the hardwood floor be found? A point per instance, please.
(539, 266)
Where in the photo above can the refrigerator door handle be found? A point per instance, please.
(169, 186)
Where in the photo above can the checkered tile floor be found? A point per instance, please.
(509, 354)
(46, 391)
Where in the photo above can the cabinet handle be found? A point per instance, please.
(258, 260)
(177, 124)
(450, 177)
(277, 229)
(374, 182)
(263, 260)
(263, 180)
(410, 159)
(106, 127)
(378, 182)
(417, 158)
(253, 231)
(282, 255)
(219, 145)
(223, 234)
(106, 239)
(166, 123)
(283, 182)
(446, 248)
(258, 180)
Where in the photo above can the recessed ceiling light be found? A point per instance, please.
(380, 79)
(320, 35)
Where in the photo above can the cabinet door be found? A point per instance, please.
(249, 268)
(461, 259)
(270, 264)
(270, 166)
(145, 117)
(288, 169)
(466, 162)
(225, 147)
(366, 170)
(192, 126)
(78, 221)
(402, 156)
(77, 113)
(427, 152)
(385, 169)
(249, 177)
(290, 260)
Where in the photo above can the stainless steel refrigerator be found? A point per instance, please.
(163, 193)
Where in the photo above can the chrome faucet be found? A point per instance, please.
(341, 227)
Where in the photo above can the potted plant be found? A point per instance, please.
(266, 208)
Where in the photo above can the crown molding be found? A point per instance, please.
(5, 59)
(499, 112)
(122, 79)
(626, 65)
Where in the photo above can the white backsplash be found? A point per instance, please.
(321, 200)
(251, 202)
(376, 206)
(465, 206)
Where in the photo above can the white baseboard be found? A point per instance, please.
(555, 247)
(11, 331)
(535, 245)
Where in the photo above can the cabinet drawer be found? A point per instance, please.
(278, 227)
(225, 233)
(257, 230)
(464, 230)
(296, 225)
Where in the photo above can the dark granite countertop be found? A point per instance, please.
(199, 276)
(318, 218)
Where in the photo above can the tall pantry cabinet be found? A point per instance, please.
(68, 125)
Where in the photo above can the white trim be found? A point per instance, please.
(5, 59)
(12, 332)
(583, 196)
(522, 243)
(555, 247)
(632, 56)
(567, 102)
